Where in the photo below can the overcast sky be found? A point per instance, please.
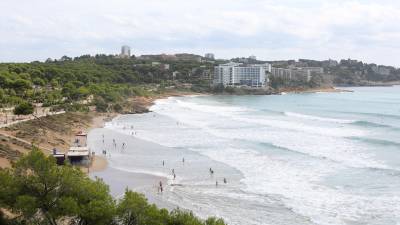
(366, 30)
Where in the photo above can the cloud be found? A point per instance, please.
(270, 29)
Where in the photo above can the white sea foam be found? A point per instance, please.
(309, 117)
(300, 187)
(299, 182)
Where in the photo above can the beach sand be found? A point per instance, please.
(139, 167)
(99, 163)
(120, 179)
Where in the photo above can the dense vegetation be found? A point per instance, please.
(37, 191)
(105, 78)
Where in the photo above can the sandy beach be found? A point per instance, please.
(141, 180)
(140, 167)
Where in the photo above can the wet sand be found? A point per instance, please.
(120, 180)
(99, 163)
(139, 167)
(117, 177)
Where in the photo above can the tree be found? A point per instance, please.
(39, 191)
(101, 105)
(24, 108)
(131, 210)
(117, 108)
(21, 85)
(38, 81)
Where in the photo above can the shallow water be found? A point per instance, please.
(323, 158)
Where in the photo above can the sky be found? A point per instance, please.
(367, 30)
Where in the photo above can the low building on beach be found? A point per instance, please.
(79, 152)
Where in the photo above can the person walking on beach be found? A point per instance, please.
(174, 176)
(161, 187)
(211, 172)
(123, 146)
(163, 163)
(216, 183)
(225, 180)
(183, 160)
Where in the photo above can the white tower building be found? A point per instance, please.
(125, 51)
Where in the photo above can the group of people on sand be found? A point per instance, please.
(114, 144)
(160, 186)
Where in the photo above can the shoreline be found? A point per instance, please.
(140, 105)
(60, 138)
(100, 163)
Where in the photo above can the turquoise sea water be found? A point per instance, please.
(321, 158)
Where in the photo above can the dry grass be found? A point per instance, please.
(51, 131)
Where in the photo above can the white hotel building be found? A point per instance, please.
(234, 74)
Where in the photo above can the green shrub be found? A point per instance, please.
(101, 105)
(24, 108)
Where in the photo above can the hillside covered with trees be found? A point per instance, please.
(105, 80)
(102, 79)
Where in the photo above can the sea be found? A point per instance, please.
(308, 158)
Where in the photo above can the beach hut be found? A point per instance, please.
(79, 152)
